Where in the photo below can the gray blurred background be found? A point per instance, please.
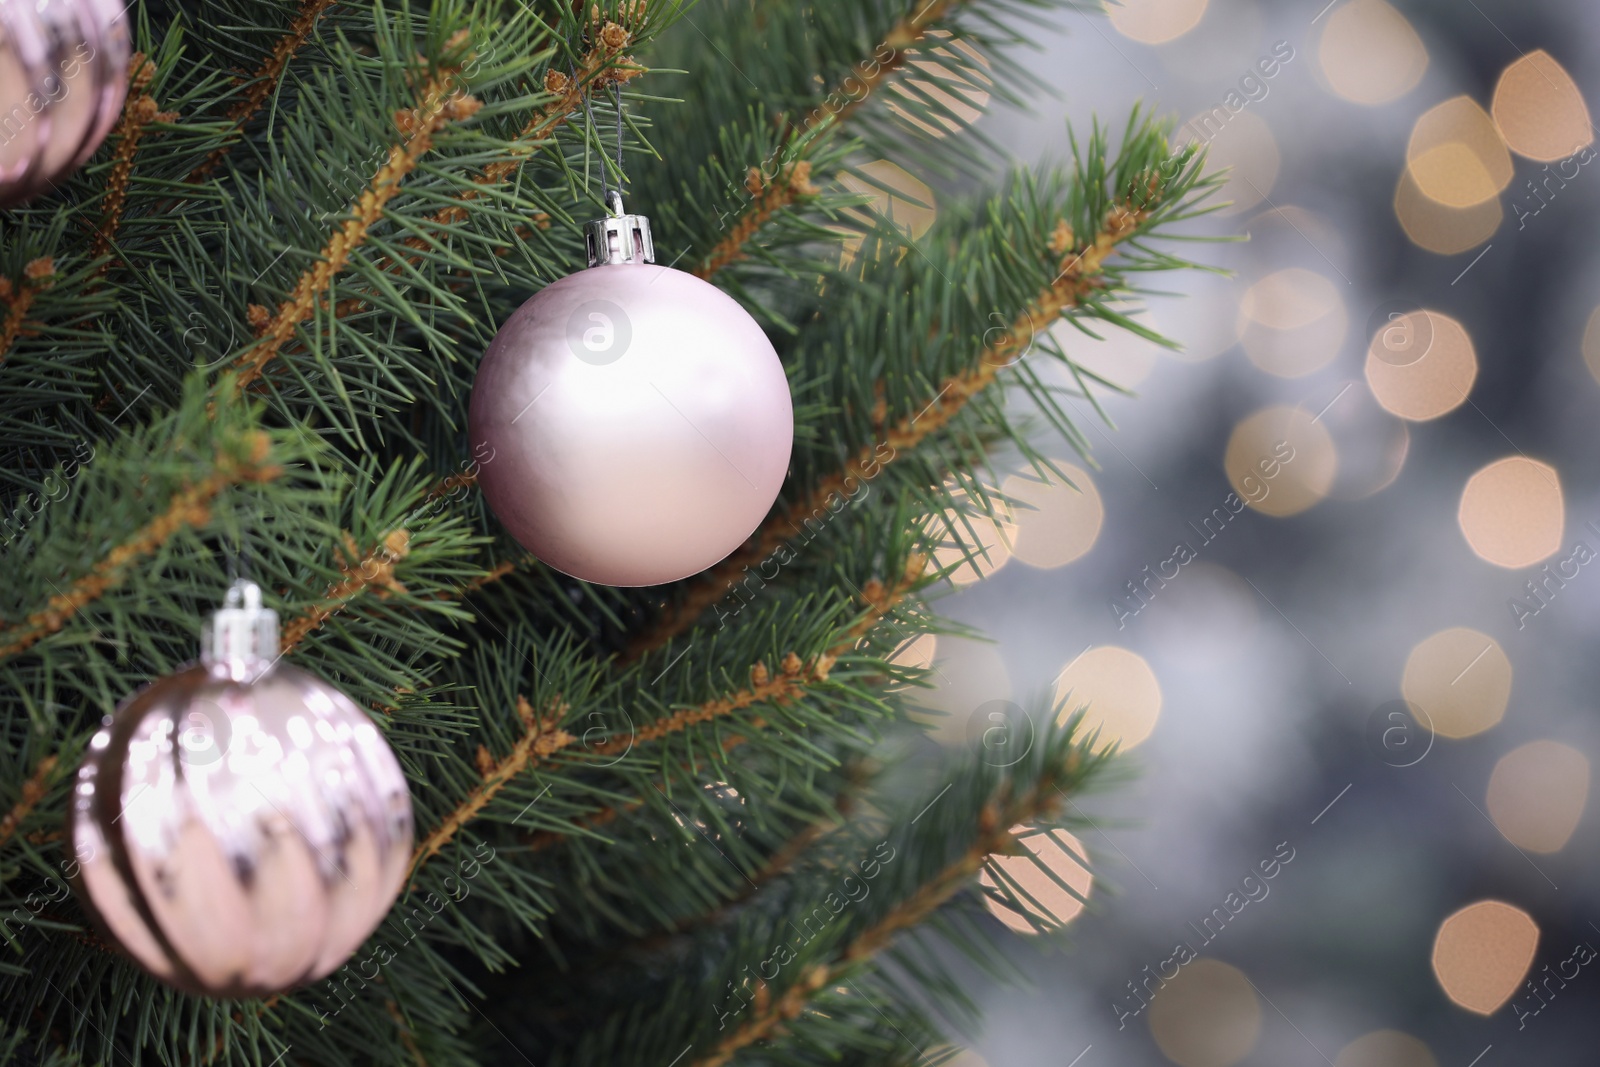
(1443, 851)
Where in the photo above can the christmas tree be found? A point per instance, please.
(686, 825)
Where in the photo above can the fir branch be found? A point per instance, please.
(405, 1032)
(37, 276)
(33, 790)
(994, 821)
(373, 571)
(440, 102)
(871, 72)
(767, 199)
(1078, 277)
(602, 65)
(794, 677)
(190, 508)
(540, 738)
(138, 113)
(264, 82)
(792, 181)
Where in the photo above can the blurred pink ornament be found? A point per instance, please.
(63, 80)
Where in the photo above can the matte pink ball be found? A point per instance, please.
(632, 424)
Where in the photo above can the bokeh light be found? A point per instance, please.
(1155, 21)
(1591, 344)
(1482, 952)
(1369, 53)
(1243, 150)
(1540, 112)
(970, 544)
(1537, 794)
(1040, 895)
(1055, 523)
(1456, 155)
(1420, 370)
(1443, 230)
(1292, 322)
(917, 654)
(1281, 461)
(1460, 679)
(1121, 691)
(898, 196)
(1513, 513)
(1208, 1016)
(948, 72)
(1385, 1048)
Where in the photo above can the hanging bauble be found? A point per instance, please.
(63, 78)
(240, 826)
(632, 423)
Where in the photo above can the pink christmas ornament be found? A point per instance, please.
(63, 79)
(240, 827)
(632, 423)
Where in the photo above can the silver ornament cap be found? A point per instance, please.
(240, 827)
(619, 237)
(240, 640)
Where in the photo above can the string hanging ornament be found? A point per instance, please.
(633, 423)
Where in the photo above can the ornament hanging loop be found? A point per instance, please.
(619, 237)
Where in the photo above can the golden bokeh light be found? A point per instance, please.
(1208, 1016)
(1444, 231)
(1513, 513)
(1482, 952)
(1281, 461)
(1537, 794)
(916, 654)
(948, 72)
(1040, 895)
(1460, 679)
(1292, 322)
(1429, 372)
(1386, 1048)
(1155, 21)
(1121, 691)
(898, 196)
(1540, 112)
(1591, 344)
(1242, 150)
(971, 545)
(1456, 155)
(1056, 523)
(1370, 54)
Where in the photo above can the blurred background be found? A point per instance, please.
(1334, 580)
